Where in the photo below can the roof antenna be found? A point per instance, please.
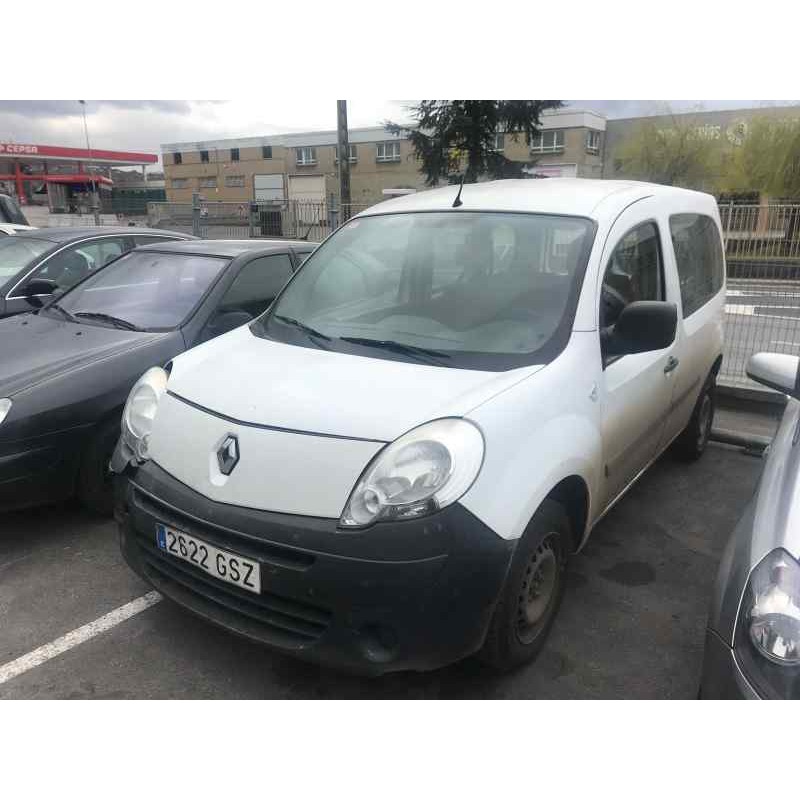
(457, 202)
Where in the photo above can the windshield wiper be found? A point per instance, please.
(63, 311)
(428, 353)
(307, 329)
(115, 321)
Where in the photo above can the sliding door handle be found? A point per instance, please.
(672, 362)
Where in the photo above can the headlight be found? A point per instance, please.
(140, 410)
(773, 620)
(424, 470)
(5, 407)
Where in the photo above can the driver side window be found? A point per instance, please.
(634, 272)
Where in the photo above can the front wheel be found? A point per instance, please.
(95, 484)
(692, 442)
(532, 594)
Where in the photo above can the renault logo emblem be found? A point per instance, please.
(228, 454)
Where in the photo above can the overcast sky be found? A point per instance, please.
(143, 125)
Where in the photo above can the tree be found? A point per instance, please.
(767, 159)
(674, 151)
(455, 135)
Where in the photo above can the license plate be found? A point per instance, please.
(221, 564)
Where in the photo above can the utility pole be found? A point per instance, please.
(344, 159)
(95, 199)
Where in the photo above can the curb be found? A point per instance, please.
(753, 444)
(754, 395)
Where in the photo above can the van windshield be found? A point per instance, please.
(481, 290)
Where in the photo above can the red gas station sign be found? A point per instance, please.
(46, 151)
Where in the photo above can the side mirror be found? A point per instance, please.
(643, 326)
(776, 370)
(39, 286)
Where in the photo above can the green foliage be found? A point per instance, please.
(767, 160)
(679, 153)
(451, 136)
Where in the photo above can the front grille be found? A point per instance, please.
(267, 617)
(245, 544)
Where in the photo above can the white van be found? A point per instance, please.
(390, 468)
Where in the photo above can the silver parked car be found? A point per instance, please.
(753, 636)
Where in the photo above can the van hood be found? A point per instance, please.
(259, 381)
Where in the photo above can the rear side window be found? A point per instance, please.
(698, 255)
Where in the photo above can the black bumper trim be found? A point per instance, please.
(425, 600)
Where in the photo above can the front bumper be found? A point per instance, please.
(39, 470)
(722, 677)
(413, 595)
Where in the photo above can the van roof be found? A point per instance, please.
(581, 197)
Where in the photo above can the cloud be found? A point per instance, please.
(620, 109)
(58, 108)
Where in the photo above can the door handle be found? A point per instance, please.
(672, 362)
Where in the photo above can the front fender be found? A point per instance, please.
(542, 430)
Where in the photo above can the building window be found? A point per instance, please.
(180, 183)
(204, 156)
(234, 153)
(266, 151)
(234, 181)
(593, 142)
(177, 158)
(548, 142)
(353, 154)
(388, 151)
(305, 156)
(208, 183)
(499, 142)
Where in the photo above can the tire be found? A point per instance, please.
(95, 485)
(693, 440)
(523, 617)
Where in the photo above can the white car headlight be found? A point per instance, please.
(773, 621)
(424, 470)
(140, 410)
(5, 407)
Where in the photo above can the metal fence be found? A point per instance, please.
(762, 309)
(762, 245)
(293, 219)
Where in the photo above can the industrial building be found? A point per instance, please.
(303, 166)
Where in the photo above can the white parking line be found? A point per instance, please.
(740, 310)
(758, 293)
(80, 635)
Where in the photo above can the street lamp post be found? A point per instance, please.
(95, 199)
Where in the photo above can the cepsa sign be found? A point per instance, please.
(19, 149)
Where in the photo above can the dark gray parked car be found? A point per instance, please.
(39, 264)
(66, 370)
(753, 636)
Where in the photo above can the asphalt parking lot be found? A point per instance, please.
(631, 625)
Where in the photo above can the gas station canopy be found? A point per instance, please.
(47, 164)
(44, 152)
